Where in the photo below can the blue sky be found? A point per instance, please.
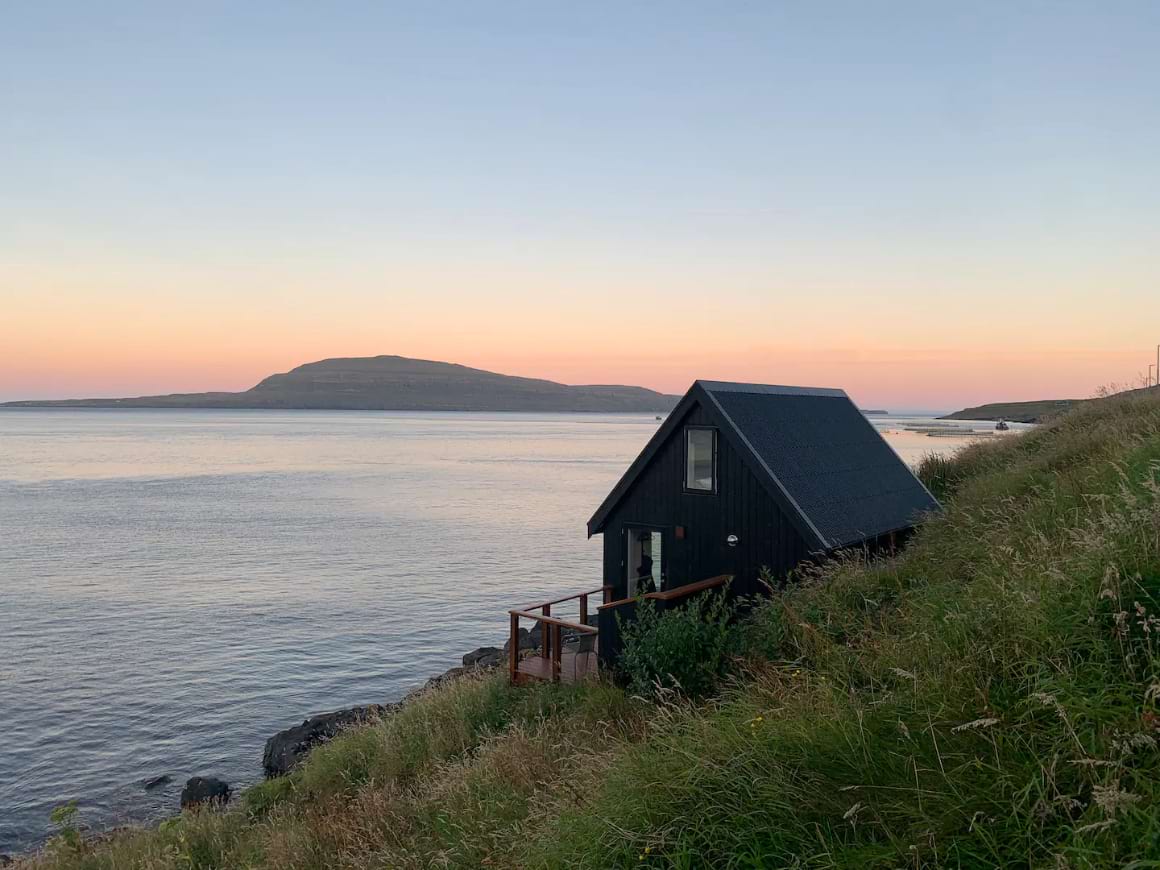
(951, 179)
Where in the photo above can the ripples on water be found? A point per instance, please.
(177, 585)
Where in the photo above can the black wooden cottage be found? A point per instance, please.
(742, 477)
(739, 478)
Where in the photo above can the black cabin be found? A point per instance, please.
(742, 477)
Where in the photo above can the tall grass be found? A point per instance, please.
(435, 784)
(986, 698)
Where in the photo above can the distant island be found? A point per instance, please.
(1027, 412)
(395, 383)
(1016, 412)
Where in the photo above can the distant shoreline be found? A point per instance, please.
(66, 405)
(1037, 411)
(1015, 412)
(394, 383)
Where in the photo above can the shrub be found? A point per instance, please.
(688, 649)
(68, 836)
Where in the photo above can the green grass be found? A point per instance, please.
(987, 698)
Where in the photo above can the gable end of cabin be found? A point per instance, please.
(695, 509)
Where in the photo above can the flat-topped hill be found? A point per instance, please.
(395, 383)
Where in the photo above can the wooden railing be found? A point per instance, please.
(678, 592)
(551, 647)
(615, 614)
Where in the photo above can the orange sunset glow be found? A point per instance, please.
(922, 242)
(104, 330)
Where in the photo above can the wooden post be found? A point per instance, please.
(555, 653)
(546, 634)
(514, 655)
(583, 609)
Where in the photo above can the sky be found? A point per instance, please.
(930, 205)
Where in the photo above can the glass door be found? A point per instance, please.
(644, 565)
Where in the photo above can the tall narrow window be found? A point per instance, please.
(700, 460)
(645, 561)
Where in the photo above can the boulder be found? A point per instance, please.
(528, 639)
(532, 639)
(286, 749)
(157, 782)
(485, 657)
(201, 790)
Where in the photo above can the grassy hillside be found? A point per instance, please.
(988, 698)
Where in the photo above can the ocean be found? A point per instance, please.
(176, 586)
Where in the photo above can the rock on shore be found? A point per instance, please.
(287, 749)
(204, 790)
(528, 639)
(485, 657)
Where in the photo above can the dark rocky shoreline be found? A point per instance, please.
(288, 749)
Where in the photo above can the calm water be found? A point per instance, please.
(175, 586)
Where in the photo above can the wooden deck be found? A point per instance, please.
(557, 660)
(573, 668)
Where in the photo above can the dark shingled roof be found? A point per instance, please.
(829, 459)
(815, 451)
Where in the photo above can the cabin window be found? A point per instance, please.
(701, 460)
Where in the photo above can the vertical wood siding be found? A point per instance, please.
(740, 507)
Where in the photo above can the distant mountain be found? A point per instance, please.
(395, 383)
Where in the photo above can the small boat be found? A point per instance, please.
(1001, 426)
(659, 417)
